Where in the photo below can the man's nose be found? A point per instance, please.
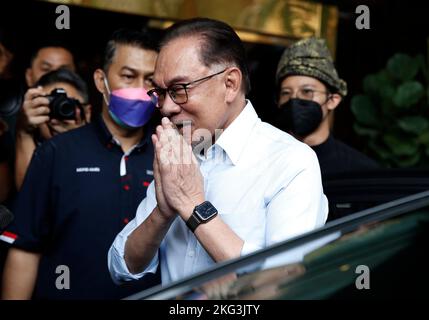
(295, 94)
(141, 84)
(169, 107)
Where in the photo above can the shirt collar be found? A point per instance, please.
(235, 137)
(107, 138)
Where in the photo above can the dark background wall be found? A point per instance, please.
(396, 26)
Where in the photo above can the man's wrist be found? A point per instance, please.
(187, 209)
(163, 219)
(24, 135)
(25, 130)
(23, 127)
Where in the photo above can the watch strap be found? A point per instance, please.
(193, 222)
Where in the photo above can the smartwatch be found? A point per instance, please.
(202, 213)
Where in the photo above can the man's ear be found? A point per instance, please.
(29, 77)
(99, 76)
(88, 110)
(334, 101)
(233, 80)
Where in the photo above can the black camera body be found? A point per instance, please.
(62, 107)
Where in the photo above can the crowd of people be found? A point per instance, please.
(175, 174)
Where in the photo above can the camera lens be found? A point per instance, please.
(62, 107)
(66, 109)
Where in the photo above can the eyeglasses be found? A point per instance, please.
(302, 93)
(178, 92)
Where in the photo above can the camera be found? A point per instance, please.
(62, 107)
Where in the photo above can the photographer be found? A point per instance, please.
(41, 116)
(48, 57)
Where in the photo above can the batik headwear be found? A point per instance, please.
(310, 57)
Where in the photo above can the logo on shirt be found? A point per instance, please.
(8, 237)
(88, 169)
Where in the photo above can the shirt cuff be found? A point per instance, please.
(249, 247)
(116, 262)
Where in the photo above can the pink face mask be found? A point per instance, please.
(131, 107)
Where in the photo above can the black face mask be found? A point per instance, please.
(299, 117)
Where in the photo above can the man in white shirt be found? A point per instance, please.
(242, 186)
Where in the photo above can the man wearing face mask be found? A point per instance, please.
(84, 185)
(309, 90)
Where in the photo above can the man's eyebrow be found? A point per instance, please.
(148, 74)
(129, 69)
(46, 63)
(175, 80)
(178, 79)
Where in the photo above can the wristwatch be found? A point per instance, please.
(202, 213)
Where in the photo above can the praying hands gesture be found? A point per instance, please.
(179, 187)
(179, 184)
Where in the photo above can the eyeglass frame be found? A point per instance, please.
(327, 92)
(183, 85)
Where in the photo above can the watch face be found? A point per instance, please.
(205, 211)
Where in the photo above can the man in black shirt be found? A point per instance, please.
(309, 90)
(84, 185)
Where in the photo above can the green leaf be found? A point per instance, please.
(408, 162)
(413, 124)
(377, 83)
(424, 138)
(362, 131)
(364, 110)
(408, 94)
(401, 147)
(403, 67)
(381, 151)
(421, 61)
(387, 92)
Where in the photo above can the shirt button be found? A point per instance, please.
(127, 187)
(126, 221)
(126, 158)
(191, 253)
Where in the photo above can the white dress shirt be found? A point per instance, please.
(265, 184)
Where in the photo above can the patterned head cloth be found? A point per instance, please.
(310, 57)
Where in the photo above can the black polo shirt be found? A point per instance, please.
(79, 192)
